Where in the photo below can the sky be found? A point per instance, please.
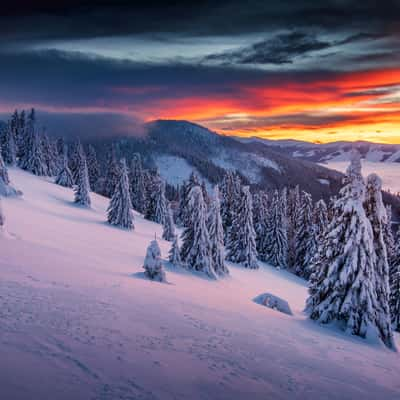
(319, 71)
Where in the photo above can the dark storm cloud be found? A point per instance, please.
(75, 80)
(90, 125)
(281, 49)
(44, 19)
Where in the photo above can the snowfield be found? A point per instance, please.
(78, 321)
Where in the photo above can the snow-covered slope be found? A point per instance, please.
(78, 321)
(173, 169)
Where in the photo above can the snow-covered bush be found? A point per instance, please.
(153, 267)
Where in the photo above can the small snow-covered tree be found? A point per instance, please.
(138, 190)
(230, 192)
(174, 255)
(195, 251)
(19, 127)
(305, 240)
(275, 246)
(394, 282)
(25, 134)
(120, 208)
(183, 210)
(206, 197)
(75, 158)
(6, 189)
(49, 155)
(293, 211)
(241, 244)
(4, 178)
(33, 159)
(93, 167)
(112, 173)
(343, 288)
(153, 267)
(8, 146)
(2, 217)
(168, 225)
(82, 187)
(320, 218)
(64, 177)
(156, 208)
(260, 213)
(216, 233)
(388, 237)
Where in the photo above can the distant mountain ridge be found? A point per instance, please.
(179, 147)
(335, 151)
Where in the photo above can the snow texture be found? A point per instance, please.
(76, 325)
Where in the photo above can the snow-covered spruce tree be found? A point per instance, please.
(59, 146)
(275, 246)
(6, 189)
(136, 177)
(4, 178)
(49, 155)
(343, 289)
(388, 237)
(27, 126)
(241, 244)
(376, 213)
(320, 218)
(331, 208)
(394, 282)
(293, 211)
(230, 194)
(20, 131)
(206, 197)
(76, 158)
(183, 210)
(153, 267)
(120, 208)
(112, 173)
(64, 177)
(196, 248)
(227, 195)
(9, 148)
(305, 241)
(34, 160)
(260, 213)
(82, 187)
(156, 209)
(168, 225)
(93, 167)
(216, 233)
(174, 255)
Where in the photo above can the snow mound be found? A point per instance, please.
(276, 303)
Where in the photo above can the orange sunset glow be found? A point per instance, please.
(350, 106)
